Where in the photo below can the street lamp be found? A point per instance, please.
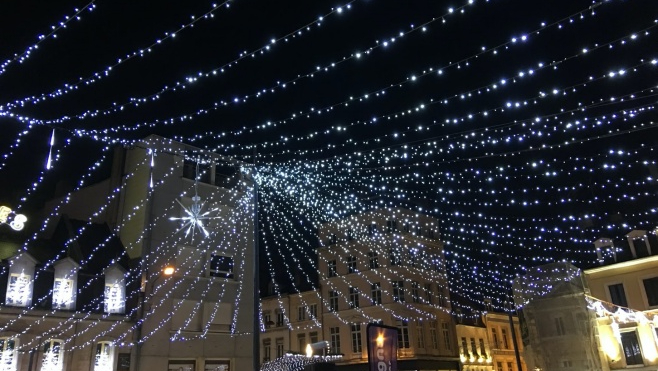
(147, 287)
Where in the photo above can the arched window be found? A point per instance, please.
(53, 355)
(8, 355)
(104, 356)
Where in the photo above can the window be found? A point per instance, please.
(279, 319)
(354, 297)
(474, 349)
(559, 329)
(566, 364)
(267, 351)
(617, 295)
(420, 334)
(333, 300)
(19, 290)
(499, 366)
(406, 228)
(182, 365)
(464, 347)
(631, 348)
(267, 319)
(8, 354)
(350, 235)
(393, 257)
(279, 347)
(651, 289)
(351, 264)
(372, 229)
(220, 266)
(313, 311)
(428, 293)
(398, 291)
(331, 268)
(333, 239)
(356, 339)
(483, 352)
(403, 334)
(509, 366)
(446, 335)
(504, 333)
(494, 337)
(415, 287)
(63, 294)
(376, 293)
(301, 313)
(433, 335)
(104, 359)
(215, 365)
(443, 298)
(391, 225)
(334, 333)
(301, 341)
(53, 355)
(114, 298)
(373, 260)
(313, 337)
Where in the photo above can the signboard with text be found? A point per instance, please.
(382, 347)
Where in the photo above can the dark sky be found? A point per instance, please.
(532, 182)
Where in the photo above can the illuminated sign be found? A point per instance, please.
(18, 221)
(382, 347)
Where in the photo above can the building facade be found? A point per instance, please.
(166, 205)
(603, 318)
(384, 266)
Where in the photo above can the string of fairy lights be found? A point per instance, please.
(52, 34)
(312, 111)
(548, 164)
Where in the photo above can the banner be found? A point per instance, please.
(382, 347)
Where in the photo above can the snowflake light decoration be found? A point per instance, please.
(195, 216)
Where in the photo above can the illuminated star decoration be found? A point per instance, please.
(195, 216)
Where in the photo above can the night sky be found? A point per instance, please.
(527, 127)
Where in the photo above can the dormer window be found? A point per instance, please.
(115, 290)
(65, 284)
(20, 282)
(19, 290)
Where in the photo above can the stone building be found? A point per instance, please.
(166, 296)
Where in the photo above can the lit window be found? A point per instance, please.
(114, 298)
(63, 293)
(104, 359)
(220, 266)
(8, 354)
(53, 355)
(182, 365)
(216, 365)
(19, 290)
